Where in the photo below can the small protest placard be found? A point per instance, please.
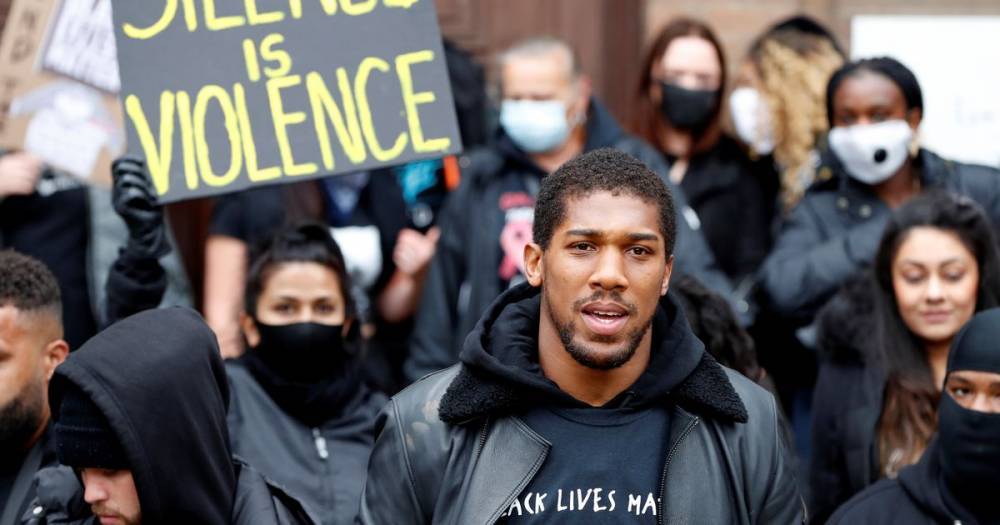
(58, 81)
(222, 96)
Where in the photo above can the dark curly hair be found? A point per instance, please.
(713, 321)
(604, 169)
(306, 242)
(27, 284)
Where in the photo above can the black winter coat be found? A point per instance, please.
(917, 497)
(727, 191)
(323, 466)
(462, 280)
(452, 448)
(159, 380)
(847, 402)
(835, 230)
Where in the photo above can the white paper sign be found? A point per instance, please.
(957, 61)
(81, 45)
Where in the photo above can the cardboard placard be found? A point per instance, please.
(58, 80)
(224, 96)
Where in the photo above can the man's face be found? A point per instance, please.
(28, 355)
(545, 77)
(602, 276)
(112, 496)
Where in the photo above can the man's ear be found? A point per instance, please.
(250, 331)
(665, 285)
(55, 353)
(533, 264)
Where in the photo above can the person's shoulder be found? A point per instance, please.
(883, 502)
(420, 400)
(480, 164)
(759, 403)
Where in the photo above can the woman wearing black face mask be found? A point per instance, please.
(300, 410)
(958, 478)
(680, 98)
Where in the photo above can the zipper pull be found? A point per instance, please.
(320, 443)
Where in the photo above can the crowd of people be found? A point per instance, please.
(760, 302)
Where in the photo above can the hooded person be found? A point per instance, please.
(140, 414)
(956, 480)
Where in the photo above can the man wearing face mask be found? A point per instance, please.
(874, 107)
(957, 478)
(547, 118)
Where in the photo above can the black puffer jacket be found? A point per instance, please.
(452, 448)
(834, 232)
(159, 379)
(847, 402)
(462, 280)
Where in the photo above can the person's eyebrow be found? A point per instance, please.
(585, 232)
(643, 237)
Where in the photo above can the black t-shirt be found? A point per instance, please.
(605, 467)
(54, 229)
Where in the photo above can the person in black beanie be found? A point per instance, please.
(956, 480)
(140, 415)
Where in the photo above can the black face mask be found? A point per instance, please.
(302, 352)
(306, 369)
(688, 109)
(970, 454)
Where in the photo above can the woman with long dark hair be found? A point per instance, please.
(680, 98)
(884, 342)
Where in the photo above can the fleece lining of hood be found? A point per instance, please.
(158, 377)
(501, 372)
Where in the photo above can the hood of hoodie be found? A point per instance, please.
(158, 377)
(501, 369)
(602, 131)
(924, 484)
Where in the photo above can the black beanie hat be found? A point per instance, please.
(977, 345)
(84, 439)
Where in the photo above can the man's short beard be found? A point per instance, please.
(20, 419)
(590, 358)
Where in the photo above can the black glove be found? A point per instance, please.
(134, 201)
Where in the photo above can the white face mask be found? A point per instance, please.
(535, 126)
(872, 153)
(752, 119)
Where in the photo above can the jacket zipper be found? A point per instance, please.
(666, 465)
(320, 443)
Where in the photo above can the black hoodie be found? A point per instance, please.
(916, 497)
(159, 379)
(504, 347)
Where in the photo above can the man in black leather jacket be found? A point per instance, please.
(579, 399)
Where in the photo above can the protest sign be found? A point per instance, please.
(223, 96)
(58, 79)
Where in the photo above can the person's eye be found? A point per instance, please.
(954, 276)
(283, 308)
(326, 308)
(640, 251)
(583, 247)
(959, 391)
(913, 278)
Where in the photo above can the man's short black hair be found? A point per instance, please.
(308, 242)
(27, 284)
(605, 169)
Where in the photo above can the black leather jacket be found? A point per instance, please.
(452, 450)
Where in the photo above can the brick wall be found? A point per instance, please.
(738, 22)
